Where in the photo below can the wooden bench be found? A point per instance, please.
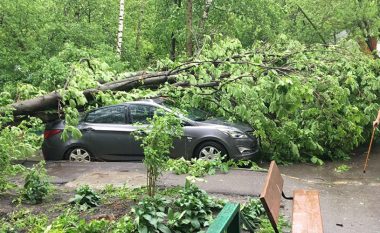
(306, 217)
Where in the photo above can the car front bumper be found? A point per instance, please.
(244, 149)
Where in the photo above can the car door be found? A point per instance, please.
(109, 134)
(138, 114)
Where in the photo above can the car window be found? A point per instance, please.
(110, 115)
(139, 113)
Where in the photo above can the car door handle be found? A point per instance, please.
(88, 129)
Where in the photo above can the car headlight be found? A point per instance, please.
(234, 133)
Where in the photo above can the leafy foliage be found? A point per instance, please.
(85, 197)
(301, 105)
(342, 168)
(17, 142)
(71, 222)
(37, 185)
(252, 213)
(157, 140)
(195, 210)
(200, 168)
(150, 214)
(23, 220)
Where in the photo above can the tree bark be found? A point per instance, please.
(172, 47)
(205, 15)
(51, 100)
(139, 25)
(173, 40)
(120, 30)
(189, 28)
(372, 43)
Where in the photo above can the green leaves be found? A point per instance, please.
(17, 142)
(36, 186)
(304, 102)
(195, 209)
(200, 168)
(85, 198)
(316, 160)
(157, 140)
(252, 211)
(150, 214)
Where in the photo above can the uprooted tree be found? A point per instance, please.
(306, 103)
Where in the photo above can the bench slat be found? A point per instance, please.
(307, 216)
(271, 194)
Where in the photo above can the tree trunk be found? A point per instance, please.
(172, 47)
(372, 43)
(172, 38)
(89, 12)
(121, 28)
(139, 25)
(189, 28)
(50, 101)
(205, 15)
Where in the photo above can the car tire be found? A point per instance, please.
(208, 150)
(78, 154)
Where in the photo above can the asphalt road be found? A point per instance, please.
(349, 200)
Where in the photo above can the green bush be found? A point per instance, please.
(252, 213)
(85, 197)
(156, 141)
(193, 210)
(36, 186)
(150, 215)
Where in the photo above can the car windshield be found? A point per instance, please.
(192, 113)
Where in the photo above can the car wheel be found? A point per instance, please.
(209, 150)
(79, 154)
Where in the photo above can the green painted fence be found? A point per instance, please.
(228, 220)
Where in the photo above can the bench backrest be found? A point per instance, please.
(271, 194)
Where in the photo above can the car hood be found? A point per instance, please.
(217, 121)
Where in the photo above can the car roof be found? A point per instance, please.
(155, 102)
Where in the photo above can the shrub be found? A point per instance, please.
(194, 210)
(157, 140)
(36, 186)
(150, 215)
(85, 197)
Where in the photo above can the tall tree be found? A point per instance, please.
(189, 28)
(173, 40)
(121, 28)
(139, 26)
(205, 14)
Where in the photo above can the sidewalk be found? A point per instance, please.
(349, 201)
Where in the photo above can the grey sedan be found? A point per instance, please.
(106, 135)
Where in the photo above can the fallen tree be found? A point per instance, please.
(51, 101)
(306, 103)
